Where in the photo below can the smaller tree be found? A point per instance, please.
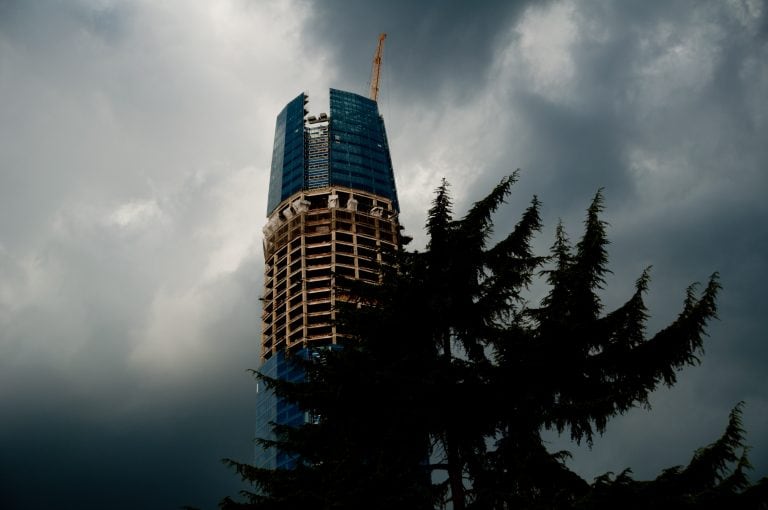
(715, 478)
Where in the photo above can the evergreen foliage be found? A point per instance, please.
(441, 394)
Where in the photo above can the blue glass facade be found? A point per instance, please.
(358, 158)
(288, 158)
(359, 151)
(270, 409)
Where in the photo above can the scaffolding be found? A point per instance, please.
(312, 238)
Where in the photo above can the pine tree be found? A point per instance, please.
(450, 377)
(715, 478)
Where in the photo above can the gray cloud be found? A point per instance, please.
(434, 47)
(134, 147)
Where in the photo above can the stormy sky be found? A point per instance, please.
(135, 143)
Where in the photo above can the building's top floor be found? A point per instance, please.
(365, 207)
(346, 148)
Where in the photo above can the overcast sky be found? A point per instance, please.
(135, 143)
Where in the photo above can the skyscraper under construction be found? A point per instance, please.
(332, 211)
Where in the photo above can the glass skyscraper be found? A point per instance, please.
(332, 210)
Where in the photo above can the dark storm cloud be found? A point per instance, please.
(96, 432)
(64, 455)
(589, 150)
(616, 102)
(433, 46)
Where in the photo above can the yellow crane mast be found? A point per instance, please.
(376, 69)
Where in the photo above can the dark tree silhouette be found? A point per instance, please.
(449, 377)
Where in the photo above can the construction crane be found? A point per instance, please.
(376, 69)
